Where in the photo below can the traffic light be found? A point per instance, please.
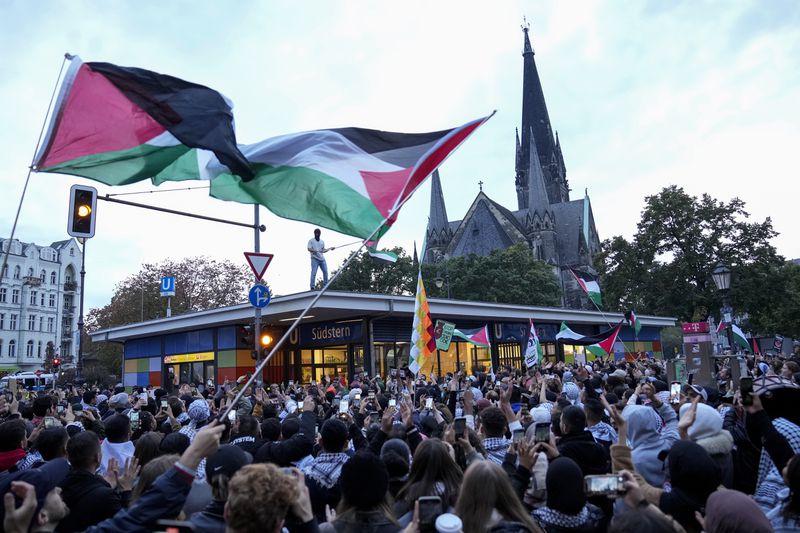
(56, 363)
(246, 337)
(82, 211)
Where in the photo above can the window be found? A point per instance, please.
(30, 272)
(12, 347)
(2, 320)
(14, 296)
(43, 275)
(17, 272)
(50, 324)
(3, 295)
(72, 251)
(29, 349)
(53, 277)
(67, 277)
(39, 350)
(52, 300)
(12, 322)
(31, 322)
(41, 299)
(33, 297)
(41, 323)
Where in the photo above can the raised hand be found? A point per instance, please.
(129, 474)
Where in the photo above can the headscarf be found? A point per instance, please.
(572, 391)
(694, 475)
(564, 483)
(731, 511)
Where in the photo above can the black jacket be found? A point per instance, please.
(584, 450)
(90, 500)
(284, 452)
(210, 519)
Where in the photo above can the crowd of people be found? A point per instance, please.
(605, 446)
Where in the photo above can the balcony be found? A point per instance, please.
(33, 281)
(70, 286)
(68, 310)
(66, 337)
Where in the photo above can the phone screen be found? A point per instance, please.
(430, 507)
(232, 415)
(746, 390)
(429, 403)
(60, 408)
(50, 422)
(459, 426)
(343, 406)
(164, 404)
(134, 416)
(675, 391)
(541, 433)
(392, 403)
(606, 484)
(518, 435)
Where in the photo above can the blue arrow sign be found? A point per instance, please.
(259, 296)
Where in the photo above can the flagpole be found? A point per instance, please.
(602, 313)
(33, 160)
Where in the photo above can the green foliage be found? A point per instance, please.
(200, 283)
(504, 276)
(366, 274)
(666, 268)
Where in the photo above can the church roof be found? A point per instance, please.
(569, 228)
(487, 226)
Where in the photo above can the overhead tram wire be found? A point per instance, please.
(159, 190)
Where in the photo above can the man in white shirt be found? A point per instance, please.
(316, 248)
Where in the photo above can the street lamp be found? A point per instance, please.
(722, 279)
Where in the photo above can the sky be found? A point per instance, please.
(704, 95)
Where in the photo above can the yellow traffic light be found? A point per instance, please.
(84, 211)
(266, 339)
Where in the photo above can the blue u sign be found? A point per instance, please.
(168, 286)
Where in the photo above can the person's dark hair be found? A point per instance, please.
(175, 405)
(594, 410)
(41, 405)
(82, 450)
(248, 426)
(487, 490)
(493, 422)
(51, 443)
(174, 443)
(641, 520)
(289, 427)
(791, 508)
(88, 396)
(12, 433)
(148, 447)
(118, 428)
(432, 465)
(334, 435)
(271, 429)
(150, 473)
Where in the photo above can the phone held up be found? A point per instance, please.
(605, 484)
(541, 432)
(746, 390)
(430, 507)
(675, 392)
(459, 425)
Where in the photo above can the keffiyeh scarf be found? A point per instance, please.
(770, 481)
(325, 469)
(496, 449)
(547, 517)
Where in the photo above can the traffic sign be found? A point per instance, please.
(38, 373)
(168, 286)
(259, 296)
(258, 262)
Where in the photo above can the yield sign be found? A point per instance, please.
(258, 262)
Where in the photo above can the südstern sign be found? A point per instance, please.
(328, 333)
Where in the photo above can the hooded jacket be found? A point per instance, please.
(647, 439)
(694, 476)
(708, 433)
(90, 500)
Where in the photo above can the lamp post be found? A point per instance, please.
(722, 279)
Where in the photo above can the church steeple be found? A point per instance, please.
(538, 201)
(438, 233)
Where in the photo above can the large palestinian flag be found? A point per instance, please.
(120, 125)
(478, 336)
(589, 284)
(600, 345)
(349, 180)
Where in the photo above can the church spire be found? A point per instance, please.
(535, 119)
(438, 212)
(538, 200)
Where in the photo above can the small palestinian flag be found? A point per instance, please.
(589, 284)
(478, 337)
(600, 345)
(348, 180)
(120, 125)
(383, 256)
(739, 337)
(633, 321)
(721, 327)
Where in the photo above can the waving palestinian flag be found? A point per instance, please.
(589, 284)
(120, 125)
(347, 179)
(634, 322)
(478, 336)
(600, 345)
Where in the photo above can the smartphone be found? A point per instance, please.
(371, 395)
(675, 392)
(357, 397)
(393, 372)
(402, 373)
(429, 403)
(605, 484)
(430, 507)
(77, 413)
(232, 415)
(541, 433)
(343, 406)
(164, 404)
(392, 403)
(459, 425)
(291, 383)
(134, 416)
(689, 379)
(374, 417)
(51, 422)
(518, 436)
(59, 409)
(746, 390)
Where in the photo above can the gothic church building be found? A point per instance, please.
(558, 230)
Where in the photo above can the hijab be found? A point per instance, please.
(731, 511)
(564, 483)
(694, 475)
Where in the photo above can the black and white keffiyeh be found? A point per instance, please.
(326, 468)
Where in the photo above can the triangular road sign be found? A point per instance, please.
(258, 262)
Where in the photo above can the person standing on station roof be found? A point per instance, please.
(316, 248)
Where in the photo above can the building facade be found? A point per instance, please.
(39, 295)
(559, 231)
(347, 332)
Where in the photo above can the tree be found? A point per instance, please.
(200, 283)
(666, 268)
(366, 274)
(509, 276)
